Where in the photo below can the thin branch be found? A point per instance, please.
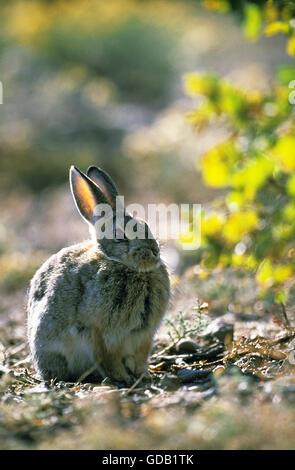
(135, 384)
(285, 316)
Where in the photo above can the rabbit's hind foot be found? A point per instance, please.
(138, 371)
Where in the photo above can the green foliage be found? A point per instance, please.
(253, 225)
(270, 17)
(253, 21)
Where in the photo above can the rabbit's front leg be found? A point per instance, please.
(137, 363)
(111, 360)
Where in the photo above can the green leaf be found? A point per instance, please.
(286, 73)
(252, 21)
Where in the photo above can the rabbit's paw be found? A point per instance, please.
(120, 374)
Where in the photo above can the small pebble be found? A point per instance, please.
(277, 355)
(218, 371)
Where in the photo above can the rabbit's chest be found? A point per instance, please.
(129, 302)
(126, 301)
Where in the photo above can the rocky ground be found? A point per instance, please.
(223, 382)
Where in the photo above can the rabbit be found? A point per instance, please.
(96, 305)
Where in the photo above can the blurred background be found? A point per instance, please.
(180, 101)
(101, 83)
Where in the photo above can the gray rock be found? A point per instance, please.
(170, 382)
(187, 346)
(190, 376)
(218, 329)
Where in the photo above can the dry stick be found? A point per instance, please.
(23, 361)
(15, 349)
(163, 351)
(283, 338)
(196, 364)
(286, 319)
(4, 369)
(31, 377)
(135, 384)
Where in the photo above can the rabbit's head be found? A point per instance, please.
(120, 236)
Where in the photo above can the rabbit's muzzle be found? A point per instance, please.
(145, 258)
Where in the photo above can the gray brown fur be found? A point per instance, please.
(97, 304)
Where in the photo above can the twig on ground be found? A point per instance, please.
(26, 360)
(284, 338)
(13, 350)
(31, 377)
(135, 384)
(211, 352)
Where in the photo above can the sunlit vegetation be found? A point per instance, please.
(252, 225)
(261, 17)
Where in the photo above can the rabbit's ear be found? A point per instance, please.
(105, 183)
(86, 194)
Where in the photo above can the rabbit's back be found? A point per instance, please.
(55, 290)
